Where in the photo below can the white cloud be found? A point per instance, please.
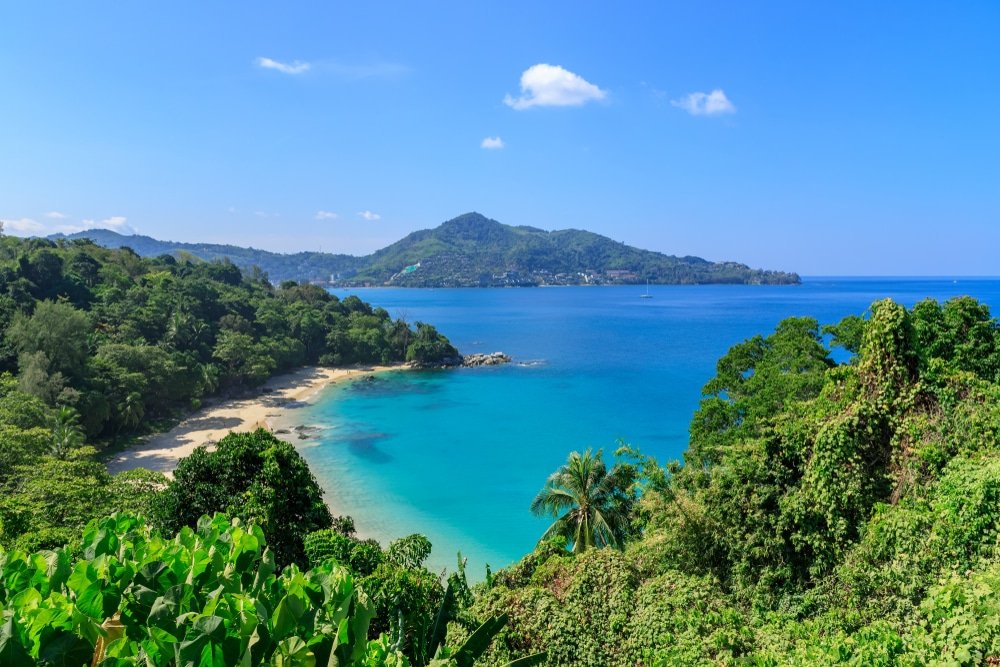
(326, 215)
(56, 215)
(369, 216)
(552, 86)
(23, 226)
(492, 143)
(714, 103)
(30, 227)
(294, 67)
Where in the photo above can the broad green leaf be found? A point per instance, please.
(64, 649)
(27, 600)
(293, 652)
(444, 614)
(164, 611)
(102, 541)
(57, 569)
(91, 601)
(12, 651)
(211, 627)
(479, 641)
(286, 617)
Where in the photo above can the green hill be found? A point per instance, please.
(318, 266)
(472, 251)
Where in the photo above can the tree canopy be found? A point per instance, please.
(256, 477)
(126, 340)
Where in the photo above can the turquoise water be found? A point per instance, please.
(458, 455)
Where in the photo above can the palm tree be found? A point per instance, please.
(591, 504)
(131, 411)
(66, 432)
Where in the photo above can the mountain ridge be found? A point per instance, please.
(470, 250)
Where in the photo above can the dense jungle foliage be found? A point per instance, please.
(212, 595)
(123, 340)
(98, 344)
(825, 513)
(839, 503)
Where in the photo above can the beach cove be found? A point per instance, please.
(275, 408)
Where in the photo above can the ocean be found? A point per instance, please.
(459, 454)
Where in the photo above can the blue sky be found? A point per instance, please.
(825, 138)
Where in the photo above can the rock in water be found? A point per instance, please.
(479, 359)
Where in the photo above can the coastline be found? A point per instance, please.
(270, 409)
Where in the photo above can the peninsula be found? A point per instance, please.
(470, 251)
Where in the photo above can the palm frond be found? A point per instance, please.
(552, 501)
(604, 530)
(596, 501)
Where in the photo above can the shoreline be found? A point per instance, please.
(270, 409)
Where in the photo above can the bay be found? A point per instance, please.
(458, 454)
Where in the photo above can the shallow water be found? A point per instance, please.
(458, 455)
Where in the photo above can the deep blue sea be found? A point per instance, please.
(458, 455)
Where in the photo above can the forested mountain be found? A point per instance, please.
(472, 251)
(301, 266)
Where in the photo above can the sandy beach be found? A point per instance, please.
(281, 396)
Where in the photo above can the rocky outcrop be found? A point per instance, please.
(479, 359)
(469, 361)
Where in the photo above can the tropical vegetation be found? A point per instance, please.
(591, 505)
(125, 340)
(212, 595)
(839, 501)
(834, 507)
(97, 345)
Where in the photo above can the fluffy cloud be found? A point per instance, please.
(23, 227)
(56, 215)
(30, 227)
(552, 86)
(326, 215)
(714, 103)
(369, 216)
(492, 143)
(295, 67)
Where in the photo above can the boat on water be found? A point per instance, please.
(646, 294)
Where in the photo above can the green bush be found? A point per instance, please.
(212, 595)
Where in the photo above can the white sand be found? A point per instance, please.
(162, 451)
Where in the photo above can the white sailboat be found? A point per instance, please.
(646, 295)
